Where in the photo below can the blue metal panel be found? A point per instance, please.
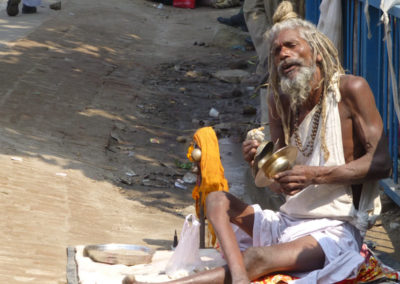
(358, 57)
(396, 152)
(363, 43)
(312, 11)
(393, 131)
(391, 114)
(384, 111)
(370, 59)
(348, 31)
(381, 50)
(349, 36)
(395, 122)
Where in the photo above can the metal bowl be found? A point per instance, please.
(280, 161)
(263, 153)
(119, 254)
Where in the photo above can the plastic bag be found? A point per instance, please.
(186, 257)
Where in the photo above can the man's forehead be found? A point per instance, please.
(287, 34)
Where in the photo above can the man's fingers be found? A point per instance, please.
(282, 176)
(249, 155)
(249, 144)
(291, 188)
(294, 180)
(249, 148)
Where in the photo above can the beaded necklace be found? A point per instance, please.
(309, 147)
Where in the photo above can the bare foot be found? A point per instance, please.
(129, 280)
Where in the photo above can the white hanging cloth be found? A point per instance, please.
(385, 6)
(330, 22)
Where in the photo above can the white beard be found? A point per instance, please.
(299, 87)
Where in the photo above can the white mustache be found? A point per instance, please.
(300, 62)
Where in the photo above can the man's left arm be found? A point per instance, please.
(367, 128)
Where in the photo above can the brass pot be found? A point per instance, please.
(279, 161)
(263, 153)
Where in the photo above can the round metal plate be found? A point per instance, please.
(119, 253)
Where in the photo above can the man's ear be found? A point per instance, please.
(319, 58)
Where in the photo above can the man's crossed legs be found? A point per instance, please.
(302, 254)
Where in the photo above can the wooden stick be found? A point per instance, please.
(202, 224)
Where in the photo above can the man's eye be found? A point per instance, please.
(276, 50)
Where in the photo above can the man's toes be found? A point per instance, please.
(130, 279)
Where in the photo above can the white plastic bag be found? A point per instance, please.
(186, 257)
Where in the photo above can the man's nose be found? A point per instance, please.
(284, 53)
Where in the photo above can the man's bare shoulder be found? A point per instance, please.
(351, 85)
(355, 88)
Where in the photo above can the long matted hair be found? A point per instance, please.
(285, 18)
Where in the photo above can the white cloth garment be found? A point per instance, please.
(340, 241)
(31, 3)
(92, 272)
(331, 200)
(385, 6)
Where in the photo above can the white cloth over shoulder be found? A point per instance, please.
(331, 200)
(31, 3)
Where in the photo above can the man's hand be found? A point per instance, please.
(296, 179)
(249, 149)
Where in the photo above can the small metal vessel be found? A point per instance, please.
(279, 161)
(264, 151)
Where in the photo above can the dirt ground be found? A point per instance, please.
(97, 107)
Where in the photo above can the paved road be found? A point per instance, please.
(14, 28)
(63, 85)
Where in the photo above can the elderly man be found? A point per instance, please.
(331, 194)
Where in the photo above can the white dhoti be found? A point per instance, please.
(340, 241)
